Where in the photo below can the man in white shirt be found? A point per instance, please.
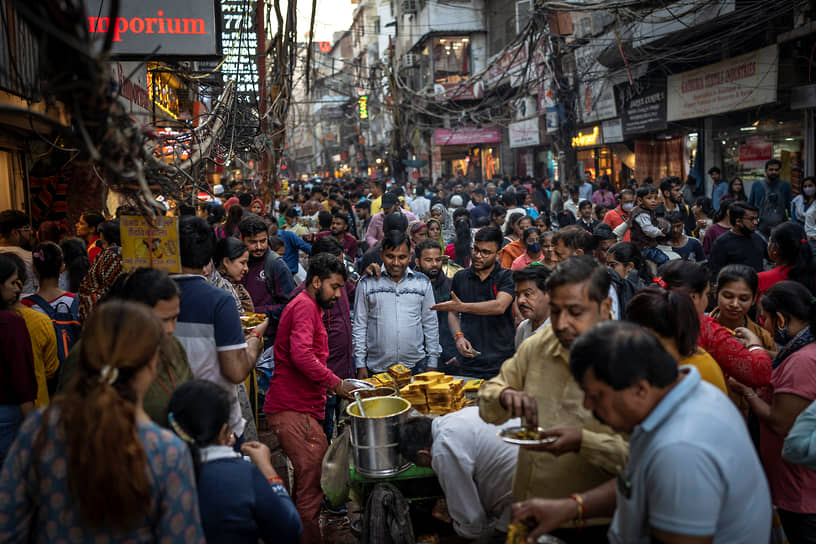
(420, 205)
(532, 300)
(474, 466)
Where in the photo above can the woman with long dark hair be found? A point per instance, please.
(230, 226)
(788, 248)
(18, 389)
(736, 294)
(459, 250)
(77, 264)
(229, 268)
(736, 191)
(673, 319)
(789, 313)
(240, 502)
(92, 465)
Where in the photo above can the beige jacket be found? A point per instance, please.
(540, 367)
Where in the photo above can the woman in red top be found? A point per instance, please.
(86, 229)
(790, 251)
(749, 364)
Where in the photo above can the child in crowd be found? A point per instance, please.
(241, 502)
(643, 222)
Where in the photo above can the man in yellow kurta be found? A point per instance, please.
(536, 383)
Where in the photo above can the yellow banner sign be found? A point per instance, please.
(153, 245)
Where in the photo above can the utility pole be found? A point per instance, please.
(397, 168)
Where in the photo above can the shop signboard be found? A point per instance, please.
(524, 133)
(458, 91)
(552, 120)
(754, 152)
(612, 131)
(501, 66)
(153, 244)
(157, 28)
(240, 43)
(738, 83)
(588, 137)
(467, 136)
(644, 111)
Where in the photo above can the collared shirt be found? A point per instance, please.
(525, 330)
(208, 323)
(301, 376)
(394, 323)
(337, 320)
(541, 368)
(374, 233)
(475, 469)
(492, 335)
(693, 471)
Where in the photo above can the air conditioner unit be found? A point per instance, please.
(409, 7)
(409, 60)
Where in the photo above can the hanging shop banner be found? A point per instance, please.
(153, 245)
(524, 133)
(458, 91)
(643, 111)
(612, 131)
(552, 120)
(157, 28)
(467, 136)
(742, 82)
(755, 152)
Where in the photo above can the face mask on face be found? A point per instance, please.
(809, 191)
(535, 247)
(782, 336)
(627, 207)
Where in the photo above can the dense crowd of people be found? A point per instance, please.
(660, 338)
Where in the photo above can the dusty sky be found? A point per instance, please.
(332, 16)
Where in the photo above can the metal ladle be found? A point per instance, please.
(359, 403)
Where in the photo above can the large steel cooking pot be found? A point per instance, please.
(375, 438)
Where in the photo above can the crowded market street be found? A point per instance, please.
(408, 272)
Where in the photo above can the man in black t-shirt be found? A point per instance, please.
(740, 245)
(480, 310)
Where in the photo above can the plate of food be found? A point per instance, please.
(524, 436)
(251, 320)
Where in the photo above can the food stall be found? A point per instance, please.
(387, 400)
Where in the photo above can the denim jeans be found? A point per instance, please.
(655, 255)
(10, 420)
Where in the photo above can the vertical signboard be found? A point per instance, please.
(239, 42)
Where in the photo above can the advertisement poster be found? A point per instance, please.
(153, 245)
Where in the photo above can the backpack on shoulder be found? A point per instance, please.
(772, 209)
(66, 323)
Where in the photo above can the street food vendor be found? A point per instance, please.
(474, 467)
(536, 383)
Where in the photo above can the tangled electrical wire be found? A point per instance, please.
(128, 158)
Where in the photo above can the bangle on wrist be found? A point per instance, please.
(458, 334)
(579, 520)
(275, 480)
(254, 333)
(753, 347)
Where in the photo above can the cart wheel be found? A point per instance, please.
(387, 519)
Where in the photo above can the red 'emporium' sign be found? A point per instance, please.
(189, 29)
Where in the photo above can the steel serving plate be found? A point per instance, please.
(508, 435)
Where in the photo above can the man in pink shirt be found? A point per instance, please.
(296, 399)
